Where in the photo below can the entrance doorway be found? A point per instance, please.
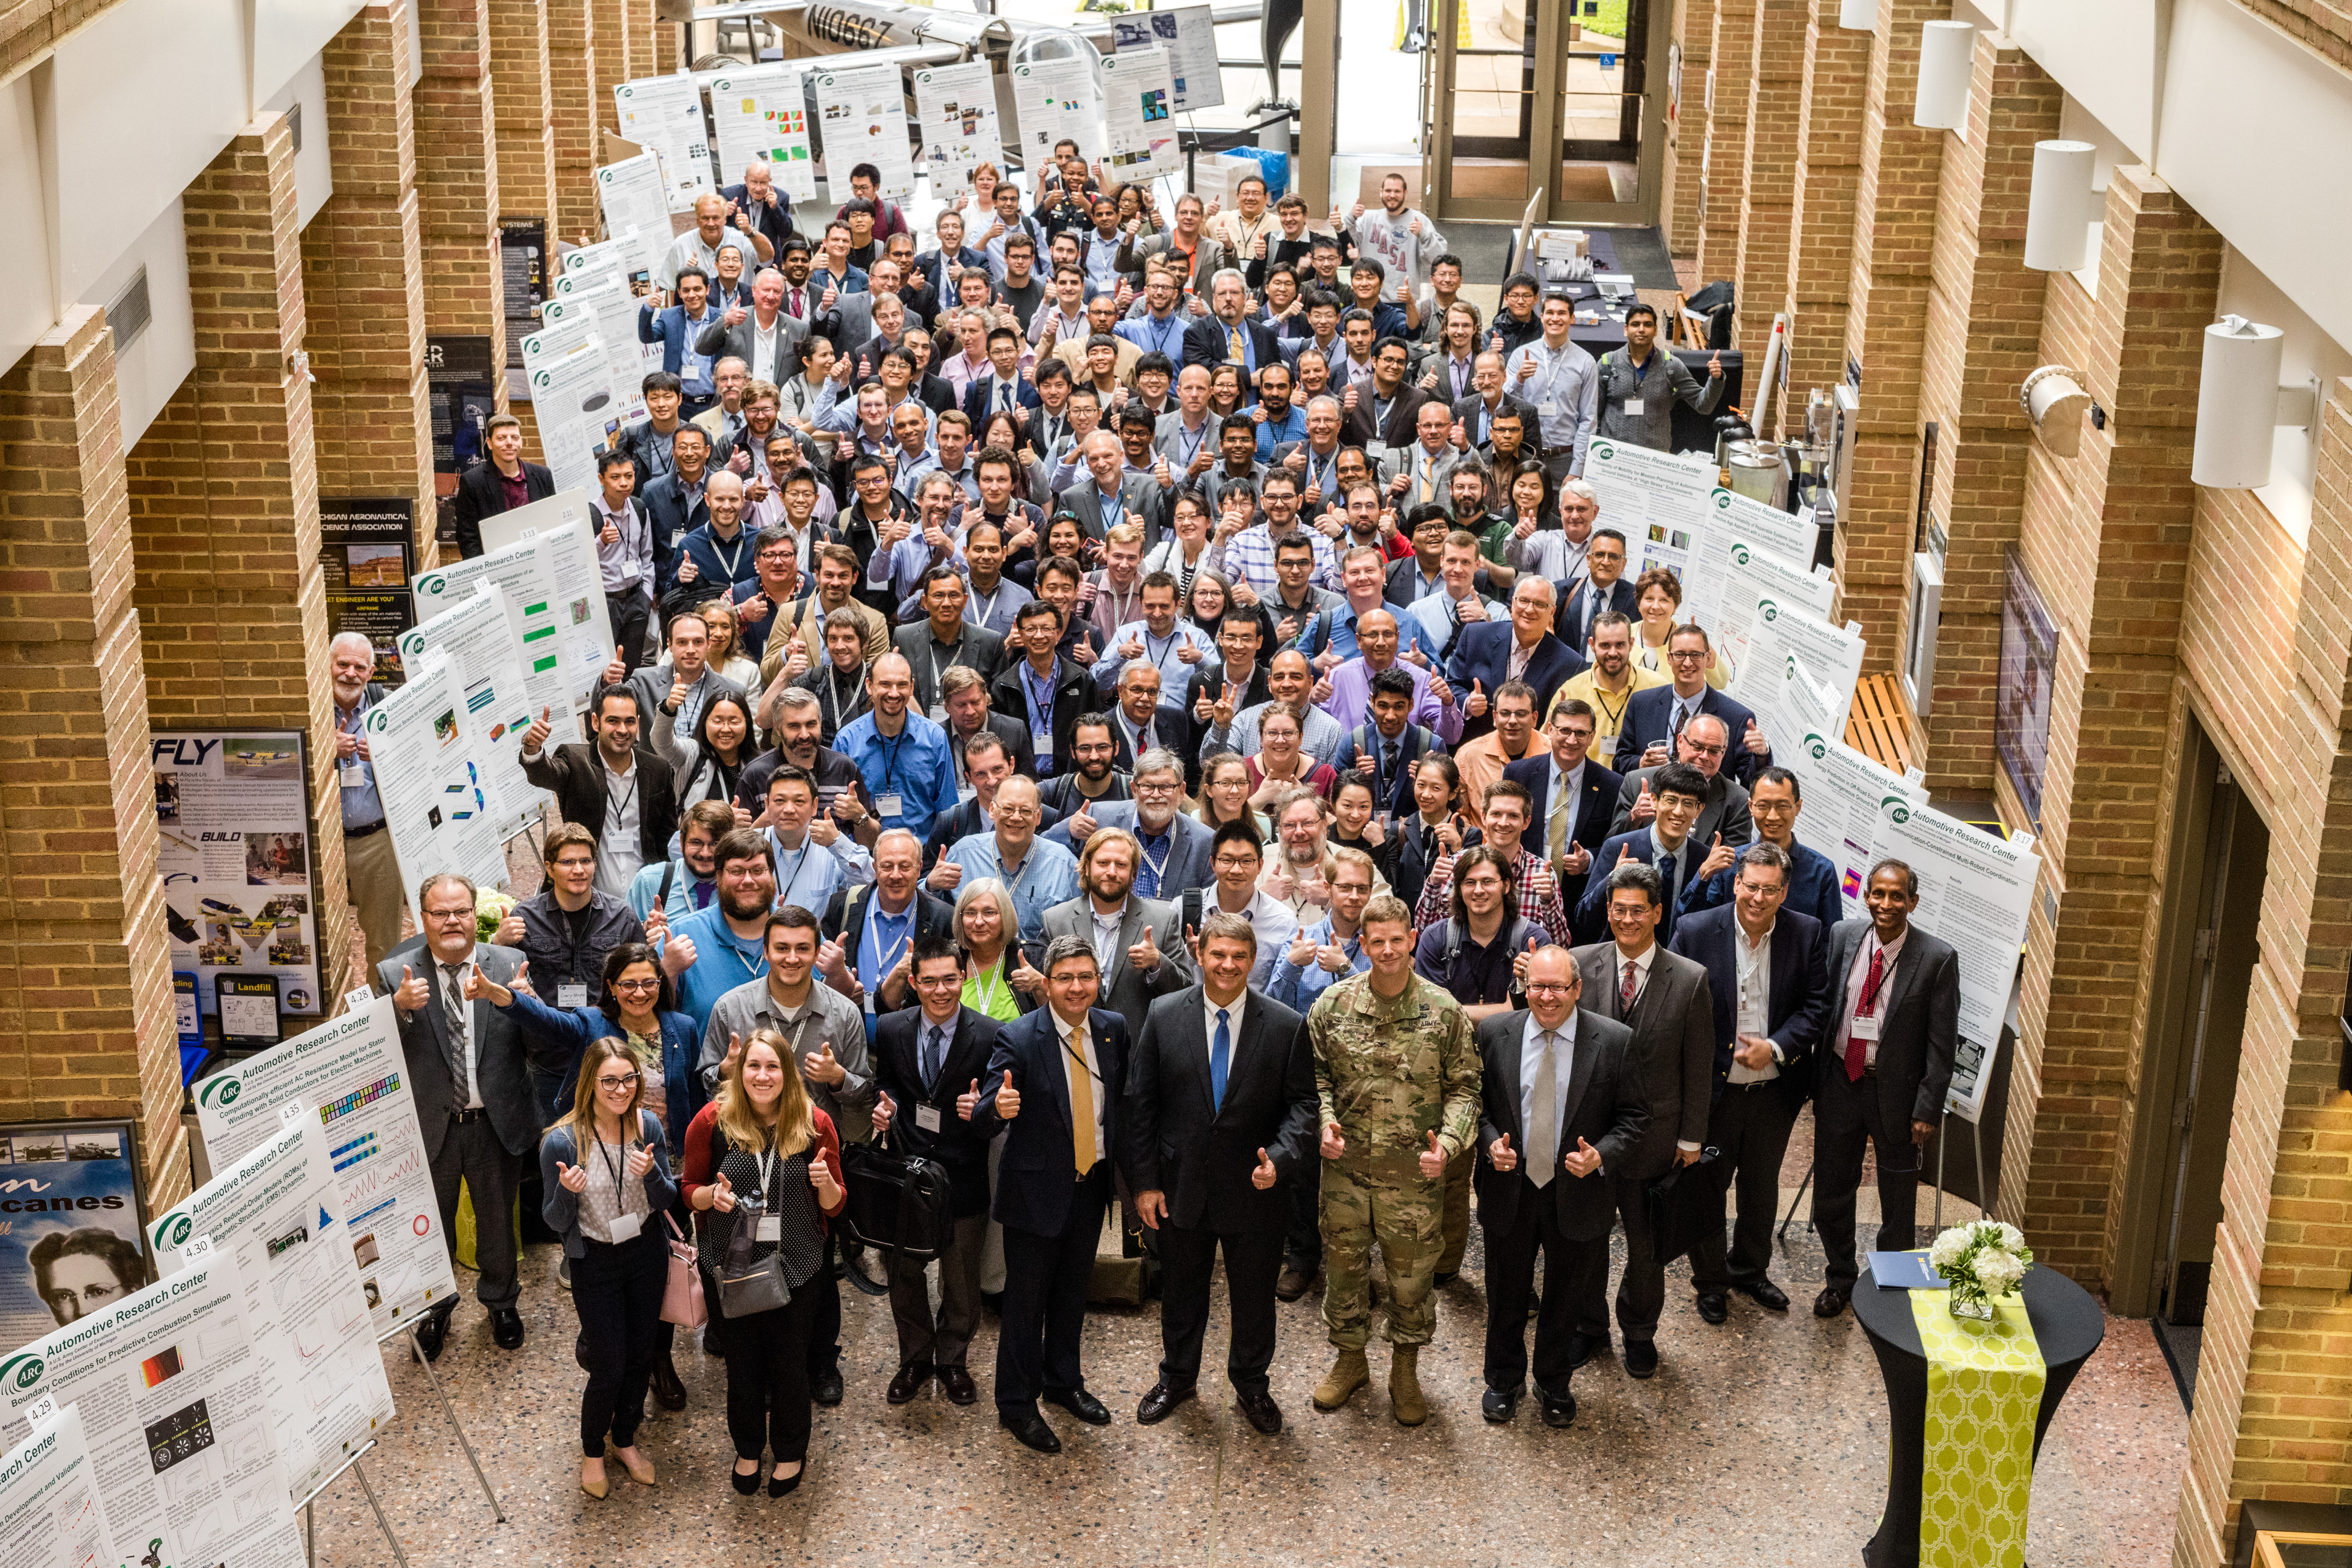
(1566, 100)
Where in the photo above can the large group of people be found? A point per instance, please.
(1144, 714)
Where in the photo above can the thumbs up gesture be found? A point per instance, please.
(534, 739)
(1501, 1155)
(1008, 1099)
(641, 1160)
(968, 1101)
(1432, 1159)
(1332, 1146)
(1644, 809)
(1718, 857)
(617, 669)
(883, 1108)
(1026, 978)
(828, 1191)
(823, 1068)
(413, 994)
(1754, 740)
(571, 1178)
(1475, 705)
(723, 1194)
(1584, 1161)
(1261, 1176)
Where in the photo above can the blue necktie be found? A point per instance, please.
(1219, 1053)
(1666, 880)
(933, 1059)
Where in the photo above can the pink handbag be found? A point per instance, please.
(682, 1297)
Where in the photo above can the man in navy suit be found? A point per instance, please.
(1209, 339)
(1678, 793)
(1603, 588)
(1570, 838)
(676, 329)
(676, 504)
(1004, 386)
(1655, 717)
(1174, 843)
(1219, 1111)
(1066, 1064)
(1768, 973)
(1491, 652)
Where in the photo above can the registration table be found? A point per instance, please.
(2067, 1324)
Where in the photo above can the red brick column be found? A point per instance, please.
(1684, 194)
(572, 50)
(1768, 173)
(1832, 95)
(1732, 50)
(458, 178)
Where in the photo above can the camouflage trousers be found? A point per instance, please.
(1404, 1214)
(1457, 1211)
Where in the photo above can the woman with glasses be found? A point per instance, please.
(1280, 765)
(1225, 794)
(709, 765)
(607, 1175)
(985, 924)
(1435, 829)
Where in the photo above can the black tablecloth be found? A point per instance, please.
(2067, 1324)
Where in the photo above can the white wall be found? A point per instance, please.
(2308, 351)
(151, 366)
(28, 304)
(288, 34)
(314, 171)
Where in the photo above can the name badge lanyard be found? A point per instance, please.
(620, 1195)
(884, 959)
(1867, 1006)
(785, 888)
(1040, 692)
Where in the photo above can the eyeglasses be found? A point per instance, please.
(449, 917)
(606, 1081)
(1700, 749)
(1681, 655)
(1236, 863)
(636, 984)
(1547, 988)
(1165, 787)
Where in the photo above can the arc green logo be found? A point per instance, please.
(432, 583)
(22, 1371)
(1723, 500)
(1604, 451)
(174, 1230)
(1900, 815)
(1767, 609)
(220, 1091)
(1740, 555)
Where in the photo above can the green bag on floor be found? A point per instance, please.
(464, 1226)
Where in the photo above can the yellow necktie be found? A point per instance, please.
(1233, 344)
(1557, 843)
(1082, 1101)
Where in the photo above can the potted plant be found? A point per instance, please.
(1982, 1263)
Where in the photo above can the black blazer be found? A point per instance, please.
(1801, 1003)
(1208, 680)
(1588, 818)
(1205, 342)
(898, 1069)
(1415, 744)
(963, 819)
(672, 520)
(480, 495)
(1073, 693)
(1647, 714)
(1919, 1013)
(1572, 621)
(1038, 1171)
(1404, 418)
(1673, 1049)
(1471, 414)
(499, 1062)
(1174, 1141)
(574, 772)
(1605, 1107)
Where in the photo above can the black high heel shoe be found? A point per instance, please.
(745, 1486)
(785, 1485)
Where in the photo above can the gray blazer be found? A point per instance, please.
(1672, 1056)
(719, 340)
(1188, 856)
(1124, 990)
(499, 1062)
(1920, 1026)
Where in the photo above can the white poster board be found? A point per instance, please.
(761, 116)
(634, 202)
(278, 1212)
(555, 594)
(1764, 587)
(618, 306)
(1140, 115)
(233, 815)
(353, 1069)
(619, 257)
(427, 748)
(955, 109)
(51, 1515)
(476, 636)
(1189, 34)
(571, 321)
(1728, 522)
(1832, 657)
(1847, 796)
(663, 114)
(862, 119)
(1654, 498)
(1051, 100)
(170, 1388)
(579, 406)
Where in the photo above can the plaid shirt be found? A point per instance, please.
(1249, 555)
(1437, 898)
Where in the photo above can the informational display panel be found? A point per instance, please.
(233, 811)
(367, 553)
(761, 115)
(955, 109)
(278, 1211)
(476, 636)
(635, 202)
(73, 1240)
(555, 596)
(50, 1513)
(663, 114)
(429, 752)
(1140, 115)
(579, 408)
(1731, 528)
(1051, 100)
(352, 1070)
(862, 119)
(1189, 34)
(1654, 498)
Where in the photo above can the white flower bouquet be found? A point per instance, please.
(490, 910)
(1983, 1263)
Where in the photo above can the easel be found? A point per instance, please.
(310, 1533)
(1986, 1181)
(408, 1332)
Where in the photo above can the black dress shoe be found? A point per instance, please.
(1160, 1404)
(669, 1389)
(1714, 1305)
(1031, 1429)
(1293, 1283)
(1440, 1281)
(1499, 1403)
(505, 1327)
(745, 1486)
(1258, 1408)
(1082, 1404)
(825, 1386)
(1640, 1358)
(1580, 1348)
(1829, 1302)
(1558, 1412)
(431, 1332)
(994, 1300)
(958, 1383)
(909, 1382)
(1765, 1294)
(786, 1486)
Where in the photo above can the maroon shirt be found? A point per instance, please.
(517, 486)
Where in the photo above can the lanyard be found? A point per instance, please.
(1159, 867)
(1200, 439)
(742, 541)
(627, 800)
(990, 995)
(785, 888)
(1869, 1003)
(890, 747)
(620, 1198)
(987, 608)
(884, 958)
(765, 1163)
(1039, 689)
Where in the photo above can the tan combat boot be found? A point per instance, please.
(1404, 1386)
(1349, 1373)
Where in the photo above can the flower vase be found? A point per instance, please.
(1969, 1303)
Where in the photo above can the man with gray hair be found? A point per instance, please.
(371, 873)
(1557, 554)
(1173, 846)
(1226, 335)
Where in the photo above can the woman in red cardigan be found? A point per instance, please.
(760, 1154)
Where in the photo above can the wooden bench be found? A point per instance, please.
(1880, 724)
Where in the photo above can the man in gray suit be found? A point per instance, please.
(1142, 953)
(1887, 1062)
(1665, 998)
(1173, 847)
(1723, 811)
(467, 1068)
(765, 338)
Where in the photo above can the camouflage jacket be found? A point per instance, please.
(1390, 1072)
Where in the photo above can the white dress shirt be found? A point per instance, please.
(1233, 1011)
(1856, 978)
(1753, 963)
(1080, 1040)
(453, 980)
(619, 855)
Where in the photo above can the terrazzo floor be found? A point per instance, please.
(1759, 1442)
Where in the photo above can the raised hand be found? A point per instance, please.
(1302, 951)
(723, 1194)
(1332, 1146)
(1026, 980)
(1501, 1155)
(820, 1178)
(1008, 1099)
(1644, 809)
(641, 1160)
(883, 1108)
(1719, 856)
(1432, 1159)
(1584, 1161)
(413, 993)
(534, 738)
(571, 1178)
(1474, 705)
(1145, 954)
(945, 877)
(1263, 1175)
(1754, 740)
(510, 932)
(968, 1101)
(823, 1068)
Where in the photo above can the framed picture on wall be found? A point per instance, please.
(2029, 660)
(74, 1238)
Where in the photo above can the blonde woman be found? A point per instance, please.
(761, 1152)
(608, 1183)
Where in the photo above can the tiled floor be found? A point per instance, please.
(1760, 1442)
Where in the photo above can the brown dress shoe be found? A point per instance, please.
(958, 1383)
(1293, 1284)
(909, 1382)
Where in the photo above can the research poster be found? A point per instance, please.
(429, 772)
(517, 523)
(367, 554)
(862, 119)
(1725, 522)
(522, 261)
(170, 1388)
(51, 1515)
(761, 116)
(1139, 114)
(70, 1241)
(635, 202)
(476, 636)
(232, 810)
(619, 304)
(1761, 588)
(277, 1213)
(572, 325)
(555, 596)
(1656, 499)
(619, 258)
(663, 114)
(1848, 797)
(350, 1069)
(579, 411)
(1054, 99)
(1832, 656)
(1189, 34)
(955, 110)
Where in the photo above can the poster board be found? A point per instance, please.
(1051, 99)
(233, 813)
(955, 110)
(476, 636)
(63, 1179)
(428, 749)
(572, 325)
(2029, 669)
(579, 409)
(51, 1515)
(1730, 522)
(169, 1383)
(634, 200)
(1848, 797)
(1140, 115)
(1654, 498)
(555, 591)
(616, 303)
(461, 398)
(278, 1212)
(663, 114)
(517, 523)
(761, 116)
(1189, 35)
(862, 119)
(351, 1069)
(1831, 654)
(367, 553)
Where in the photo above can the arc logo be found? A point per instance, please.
(174, 1230)
(379, 721)
(1900, 813)
(221, 1092)
(1816, 747)
(1740, 555)
(1604, 451)
(1768, 609)
(432, 583)
(412, 644)
(541, 381)
(1723, 500)
(23, 1371)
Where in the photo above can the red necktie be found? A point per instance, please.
(1626, 990)
(796, 304)
(1855, 1048)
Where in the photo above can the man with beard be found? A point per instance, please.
(370, 869)
(838, 678)
(1608, 686)
(675, 888)
(1037, 873)
(901, 754)
(1094, 773)
(1137, 941)
(614, 786)
(991, 603)
(1289, 679)
(718, 948)
(1173, 847)
(799, 726)
(1280, 426)
(944, 641)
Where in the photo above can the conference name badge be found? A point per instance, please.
(926, 1117)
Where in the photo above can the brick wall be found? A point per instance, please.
(2324, 27)
(1732, 50)
(1683, 189)
(1831, 99)
(457, 177)
(1768, 169)
(572, 48)
(523, 103)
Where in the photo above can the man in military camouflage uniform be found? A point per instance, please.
(1396, 1069)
